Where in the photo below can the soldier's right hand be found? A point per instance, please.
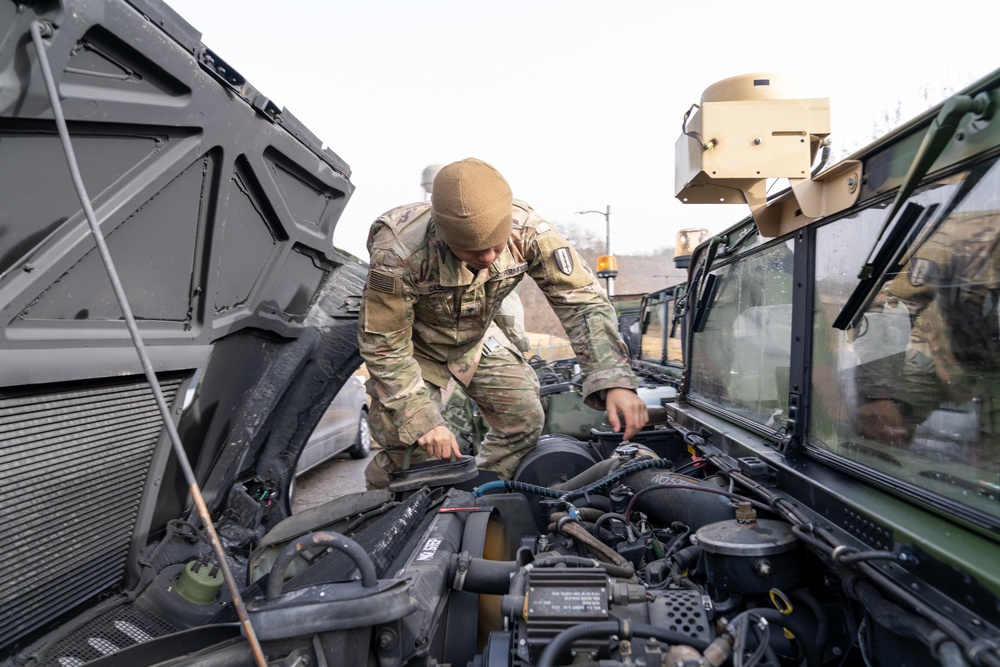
(882, 420)
(439, 442)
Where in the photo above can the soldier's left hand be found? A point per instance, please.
(625, 404)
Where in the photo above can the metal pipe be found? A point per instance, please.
(37, 27)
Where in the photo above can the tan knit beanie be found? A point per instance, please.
(471, 205)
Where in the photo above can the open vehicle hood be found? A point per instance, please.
(767, 516)
(219, 211)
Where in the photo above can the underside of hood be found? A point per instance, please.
(218, 209)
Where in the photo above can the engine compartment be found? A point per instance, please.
(652, 555)
(820, 486)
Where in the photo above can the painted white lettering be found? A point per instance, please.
(429, 549)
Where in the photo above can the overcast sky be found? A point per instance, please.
(577, 102)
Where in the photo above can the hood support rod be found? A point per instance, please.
(37, 30)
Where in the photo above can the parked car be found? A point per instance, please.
(342, 428)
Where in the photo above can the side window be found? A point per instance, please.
(662, 342)
(675, 341)
(740, 355)
(654, 329)
(914, 389)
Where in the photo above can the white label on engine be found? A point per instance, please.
(430, 548)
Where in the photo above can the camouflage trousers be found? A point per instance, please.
(505, 388)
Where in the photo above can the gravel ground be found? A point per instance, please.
(335, 478)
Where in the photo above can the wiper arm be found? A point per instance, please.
(886, 259)
(886, 247)
(940, 132)
(704, 283)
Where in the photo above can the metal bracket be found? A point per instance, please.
(832, 191)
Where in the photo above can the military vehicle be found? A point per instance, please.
(822, 489)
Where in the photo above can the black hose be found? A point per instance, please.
(687, 557)
(850, 557)
(696, 487)
(589, 476)
(950, 655)
(629, 468)
(604, 518)
(489, 576)
(601, 629)
(822, 624)
(792, 624)
(589, 513)
(602, 503)
(320, 539)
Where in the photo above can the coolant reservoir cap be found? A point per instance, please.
(730, 538)
(199, 583)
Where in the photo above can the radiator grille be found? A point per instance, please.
(73, 464)
(109, 633)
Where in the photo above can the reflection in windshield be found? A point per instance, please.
(914, 389)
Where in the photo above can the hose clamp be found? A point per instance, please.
(978, 646)
(461, 570)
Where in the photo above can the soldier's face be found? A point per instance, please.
(479, 259)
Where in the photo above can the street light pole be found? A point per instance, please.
(612, 270)
(607, 226)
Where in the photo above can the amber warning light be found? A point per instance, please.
(687, 241)
(607, 266)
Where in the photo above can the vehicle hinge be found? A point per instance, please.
(788, 443)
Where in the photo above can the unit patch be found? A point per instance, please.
(384, 304)
(563, 267)
(564, 260)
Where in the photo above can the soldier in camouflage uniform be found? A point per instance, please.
(438, 275)
(949, 290)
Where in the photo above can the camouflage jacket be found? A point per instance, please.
(425, 314)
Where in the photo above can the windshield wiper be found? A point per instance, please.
(939, 134)
(886, 260)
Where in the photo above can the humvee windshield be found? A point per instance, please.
(911, 394)
(912, 391)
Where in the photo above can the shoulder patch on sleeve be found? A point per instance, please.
(384, 304)
(564, 268)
